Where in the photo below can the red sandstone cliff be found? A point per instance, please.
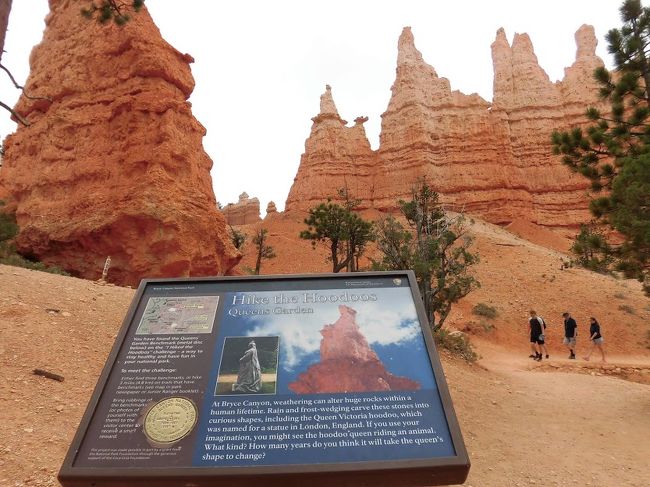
(347, 363)
(491, 160)
(245, 211)
(114, 164)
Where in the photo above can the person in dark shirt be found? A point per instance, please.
(536, 332)
(596, 338)
(570, 334)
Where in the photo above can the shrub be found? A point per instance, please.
(627, 309)
(482, 309)
(455, 342)
(8, 226)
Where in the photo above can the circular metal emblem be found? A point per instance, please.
(170, 420)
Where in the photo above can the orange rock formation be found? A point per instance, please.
(493, 160)
(245, 211)
(114, 163)
(271, 210)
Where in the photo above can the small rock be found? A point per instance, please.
(59, 408)
(66, 314)
(28, 430)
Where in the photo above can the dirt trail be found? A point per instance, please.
(525, 427)
(522, 427)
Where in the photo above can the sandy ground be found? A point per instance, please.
(523, 423)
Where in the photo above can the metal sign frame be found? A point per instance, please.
(403, 472)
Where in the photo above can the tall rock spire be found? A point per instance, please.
(519, 81)
(328, 109)
(335, 157)
(327, 105)
(502, 86)
(407, 53)
(579, 85)
(113, 163)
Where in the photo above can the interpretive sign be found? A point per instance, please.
(328, 379)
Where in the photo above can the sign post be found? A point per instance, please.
(274, 380)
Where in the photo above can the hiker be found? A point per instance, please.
(596, 338)
(536, 327)
(570, 334)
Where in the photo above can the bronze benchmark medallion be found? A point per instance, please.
(170, 420)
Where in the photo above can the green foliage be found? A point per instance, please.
(345, 233)
(456, 343)
(8, 226)
(614, 153)
(264, 250)
(592, 250)
(482, 309)
(435, 246)
(237, 238)
(115, 10)
(630, 215)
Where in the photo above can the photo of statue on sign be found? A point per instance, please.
(248, 366)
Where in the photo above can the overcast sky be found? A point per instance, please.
(262, 65)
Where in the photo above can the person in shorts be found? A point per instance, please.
(596, 338)
(570, 334)
(536, 332)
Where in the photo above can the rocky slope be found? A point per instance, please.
(493, 160)
(113, 163)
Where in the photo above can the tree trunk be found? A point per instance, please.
(5, 8)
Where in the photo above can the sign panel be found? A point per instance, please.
(285, 379)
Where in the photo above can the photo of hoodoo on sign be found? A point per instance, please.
(281, 380)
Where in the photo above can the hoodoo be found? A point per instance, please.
(493, 160)
(113, 163)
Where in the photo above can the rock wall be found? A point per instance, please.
(493, 160)
(245, 211)
(114, 163)
(347, 363)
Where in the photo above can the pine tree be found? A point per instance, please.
(615, 151)
(264, 250)
(344, 232)
(435, 246)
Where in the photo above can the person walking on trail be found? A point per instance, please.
(570, 334)
(536, 327)
(596, 339)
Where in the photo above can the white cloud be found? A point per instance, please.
(391, 319)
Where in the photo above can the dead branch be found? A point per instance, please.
(15, 114)
(49, 375)
(22, 88)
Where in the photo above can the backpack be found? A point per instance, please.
(541, 320)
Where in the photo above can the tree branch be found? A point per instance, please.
(22, 88)
(19, 117)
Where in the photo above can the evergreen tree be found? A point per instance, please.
(237, 238)
(592, 250)
(344, 232)
(264, 250)
(115, 10)
(435, 246)
(614, 153)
